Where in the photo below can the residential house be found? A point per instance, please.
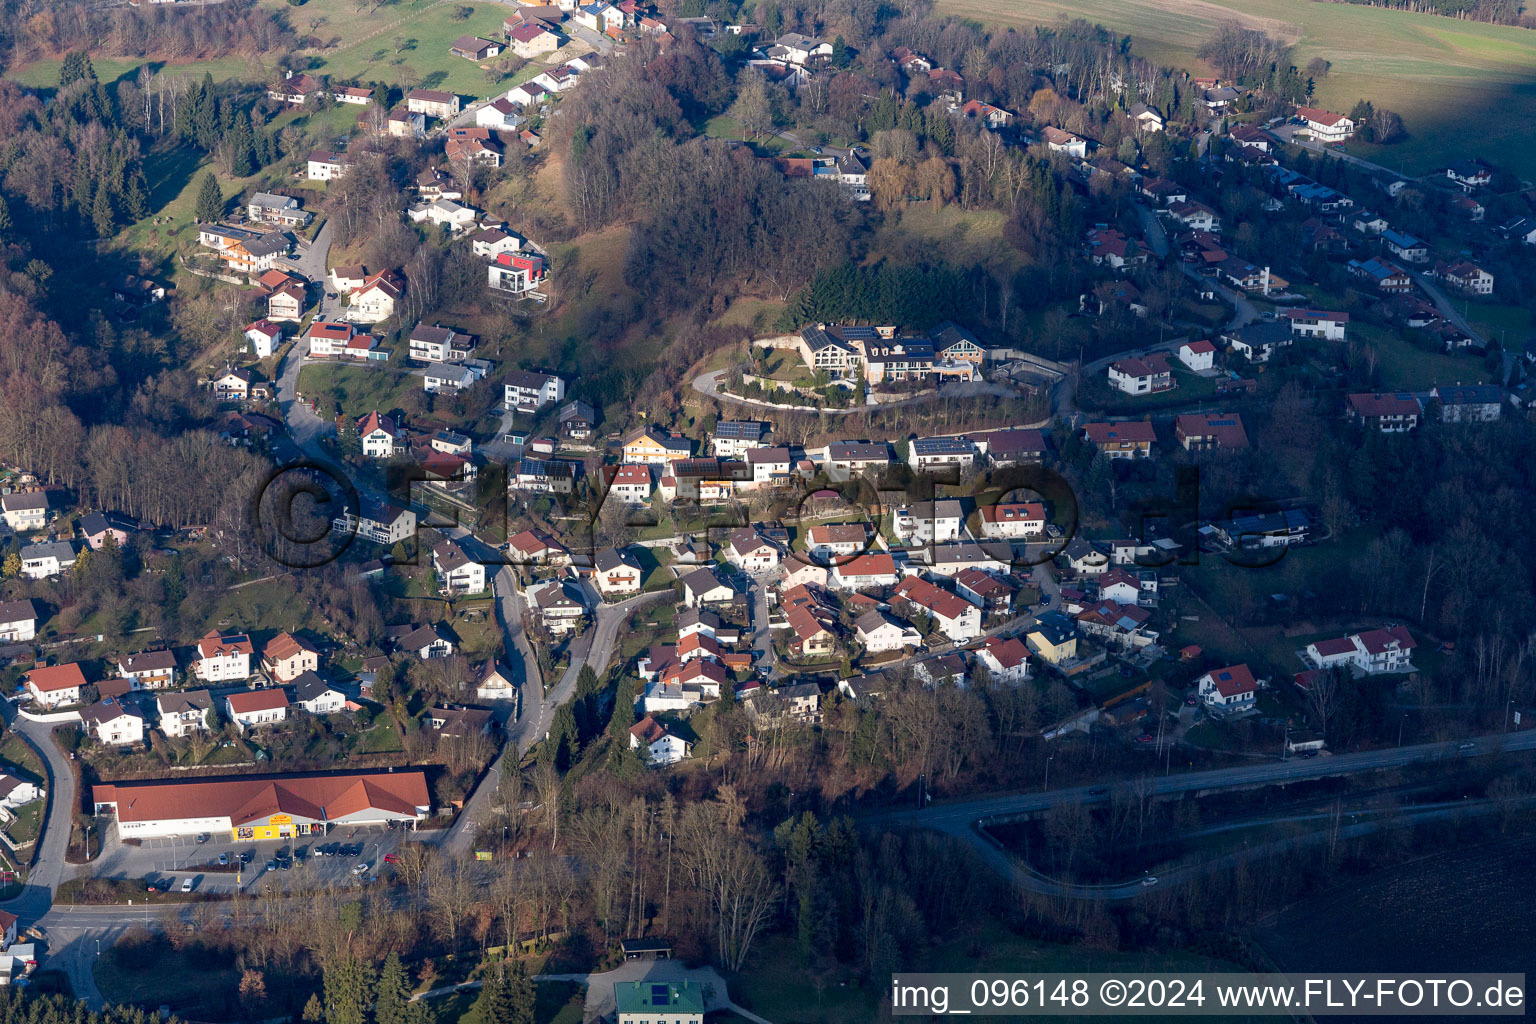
(535, 547)
(1006, 660)
(993, 117)
(1376, 651)
(285, 304)
(432, 103)
(1467, 277)
(425, 642)
(443, 213)
(318, 697)
(706, 586)
(251, 709)
(545, 476)
(18, 621)
(380, 523)
(576, 420)
(617, 571)
(812, 624)
(492, 243)
(629, 483)
(375, 300)
(25, 511)
(878, 633)
(474, 48)
(530, 39)
(650, 446)
(286, 657)
(54, 686)
(1389, 413)
(223, 658)
(451, 378)
(800, 50)
(148, 670)
(1248, 277)
(112, 723)
(1406, 247)
(985, 591)
(96, 527)
(925, 454)
(271, 208)
(437, 344)
(746, 549)
(1198, 355)
(1318, 323)
(48, 559)
(1195, 216)
(947, 559)
(734, 438)
(848, 458)
(295, 89)
(380, 436)
(1013, 447)
(1111, 248)
(661, 747)
(473, 144)
(495, 684)
(1016, 520)
(354, 94)
(560, 603)
(863, 572)
(952, 615)
(1203, 432)
(1053, 637)
(1145, 118)
(1058, 141)
(1386, 276)
(1228, 689)
(828, 541)
(1469, 403)
(515, 272)
(457, 573)
(1258, 342)
(1469, 174)
(769, 466)
(929, 522)
(1144, 376)
(232, 385)
(184, 712)
(1325, 126)
(264, 335)
(528, 391)
(326, 166)
(1129, 440)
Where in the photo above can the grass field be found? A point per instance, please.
(359, 390)
(1463, 88)
(961, 237)
(1405, 366)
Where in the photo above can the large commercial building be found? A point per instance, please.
(263, 807)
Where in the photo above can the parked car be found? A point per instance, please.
(203, 837)
(186, 884)
(223, 860)
(271, 865)
(361, 868)
(391, 858)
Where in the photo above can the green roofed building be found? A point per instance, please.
(659, 1002)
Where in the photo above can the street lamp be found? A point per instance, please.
(1049, 758)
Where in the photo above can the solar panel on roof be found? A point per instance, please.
(661, 995)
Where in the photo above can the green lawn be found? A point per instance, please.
(359, 389)
(421, 31)
(27, 824)
(44, 74)
(22, 759)
(1095, 393)
(1406, 367)
(1463, 88)
(1513, 327)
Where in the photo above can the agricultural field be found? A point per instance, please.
(1463, 87)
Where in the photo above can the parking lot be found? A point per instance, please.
(177, 858)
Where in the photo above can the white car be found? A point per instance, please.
(361, 868)
(186, 885)
(1149, 880)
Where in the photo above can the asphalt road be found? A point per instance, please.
(963, 819)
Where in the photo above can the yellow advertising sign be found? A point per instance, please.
(482, 855)
(281, 819)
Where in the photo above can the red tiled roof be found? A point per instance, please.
(257, 700)
(1134, 430)
(56, 677)
(1233, 680)
(1008, 653)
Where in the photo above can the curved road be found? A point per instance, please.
(709, 384)
(964, 819)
